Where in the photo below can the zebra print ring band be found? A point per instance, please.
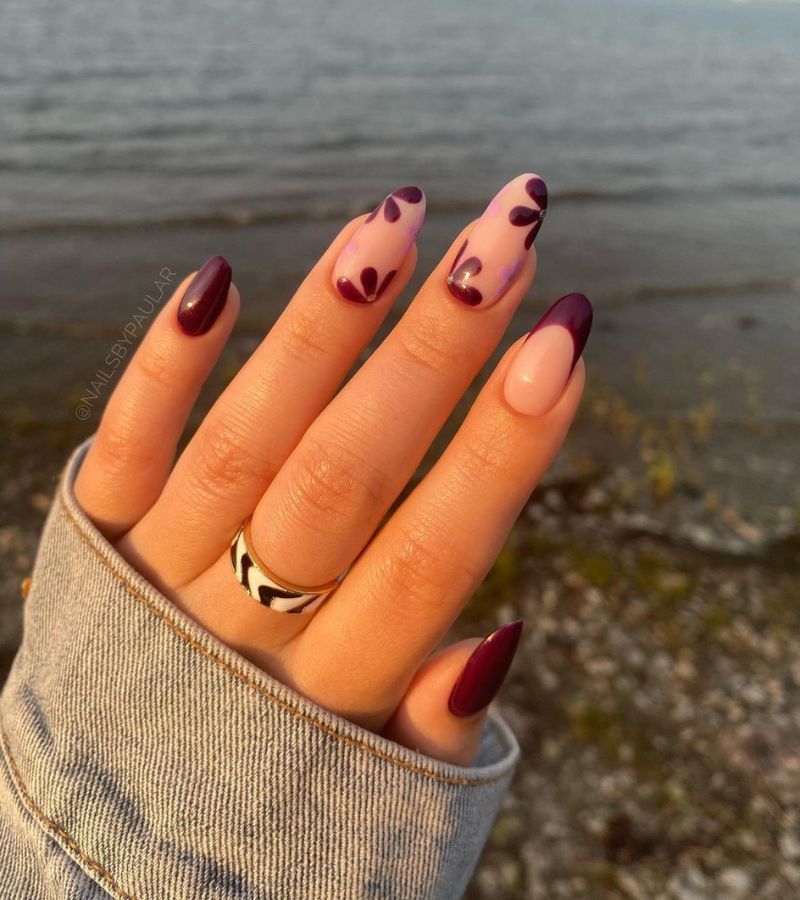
(265, 586)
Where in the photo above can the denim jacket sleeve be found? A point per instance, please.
(143, 759)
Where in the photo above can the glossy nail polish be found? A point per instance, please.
(541, 369)
(205, 297)
(369, 262)
(485, 670)
(492, 256)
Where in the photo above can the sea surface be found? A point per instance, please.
(141, 135)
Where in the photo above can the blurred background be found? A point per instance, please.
(658, 694)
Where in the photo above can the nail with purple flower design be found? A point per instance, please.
(493, 255)
(376, 251)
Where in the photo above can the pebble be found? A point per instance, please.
(736, 881)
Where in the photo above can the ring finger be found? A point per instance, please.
(411, 582)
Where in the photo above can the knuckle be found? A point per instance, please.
(420, 568)
(121, 447)
(333, 479)
(427, 343)
(158, 365)
(303, 336)
(224, 461)
(486, 457)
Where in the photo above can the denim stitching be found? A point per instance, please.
(107, 880)
(260, 688)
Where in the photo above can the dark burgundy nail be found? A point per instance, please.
(574, 312)
(485, 671)
(205, 297)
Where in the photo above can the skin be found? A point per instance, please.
(317, 468)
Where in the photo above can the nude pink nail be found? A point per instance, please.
(493, 255)
(542, 367)
(369, 262)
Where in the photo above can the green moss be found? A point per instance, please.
(662, 473)
(599, 569)
(610, 729)
(716, 618)
(659, 580)
(702, 419)
(592, 724)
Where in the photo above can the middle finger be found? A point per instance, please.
(355, 459)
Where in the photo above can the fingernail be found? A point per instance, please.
(369, 262)
(492, 256)
(542, 367)
(485, 670)
(205, 297)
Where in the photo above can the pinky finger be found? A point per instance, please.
(134, 447)
(444, 709)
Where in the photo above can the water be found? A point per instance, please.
(659, 122)
(151, 134)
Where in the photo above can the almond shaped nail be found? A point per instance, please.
(369, 262)
(205, 297)
(542, 367)
(493, 255)
(485, 671)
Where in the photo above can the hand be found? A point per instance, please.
(318, 471)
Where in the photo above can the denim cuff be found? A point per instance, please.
(160, 763)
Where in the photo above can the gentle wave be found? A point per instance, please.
(244, 217)
(748, 286)
(239, 217)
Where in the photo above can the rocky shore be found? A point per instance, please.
(657, 699)
(657, 691)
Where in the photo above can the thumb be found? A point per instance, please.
(444, 709)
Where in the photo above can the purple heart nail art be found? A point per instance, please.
(469, 295)
(458, 281)
(459, 255)
(497, 249)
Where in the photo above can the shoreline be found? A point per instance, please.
(654, 694)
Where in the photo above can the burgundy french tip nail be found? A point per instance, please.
(485, 671)
(205, 297)
(573, 312)
(544, 363)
